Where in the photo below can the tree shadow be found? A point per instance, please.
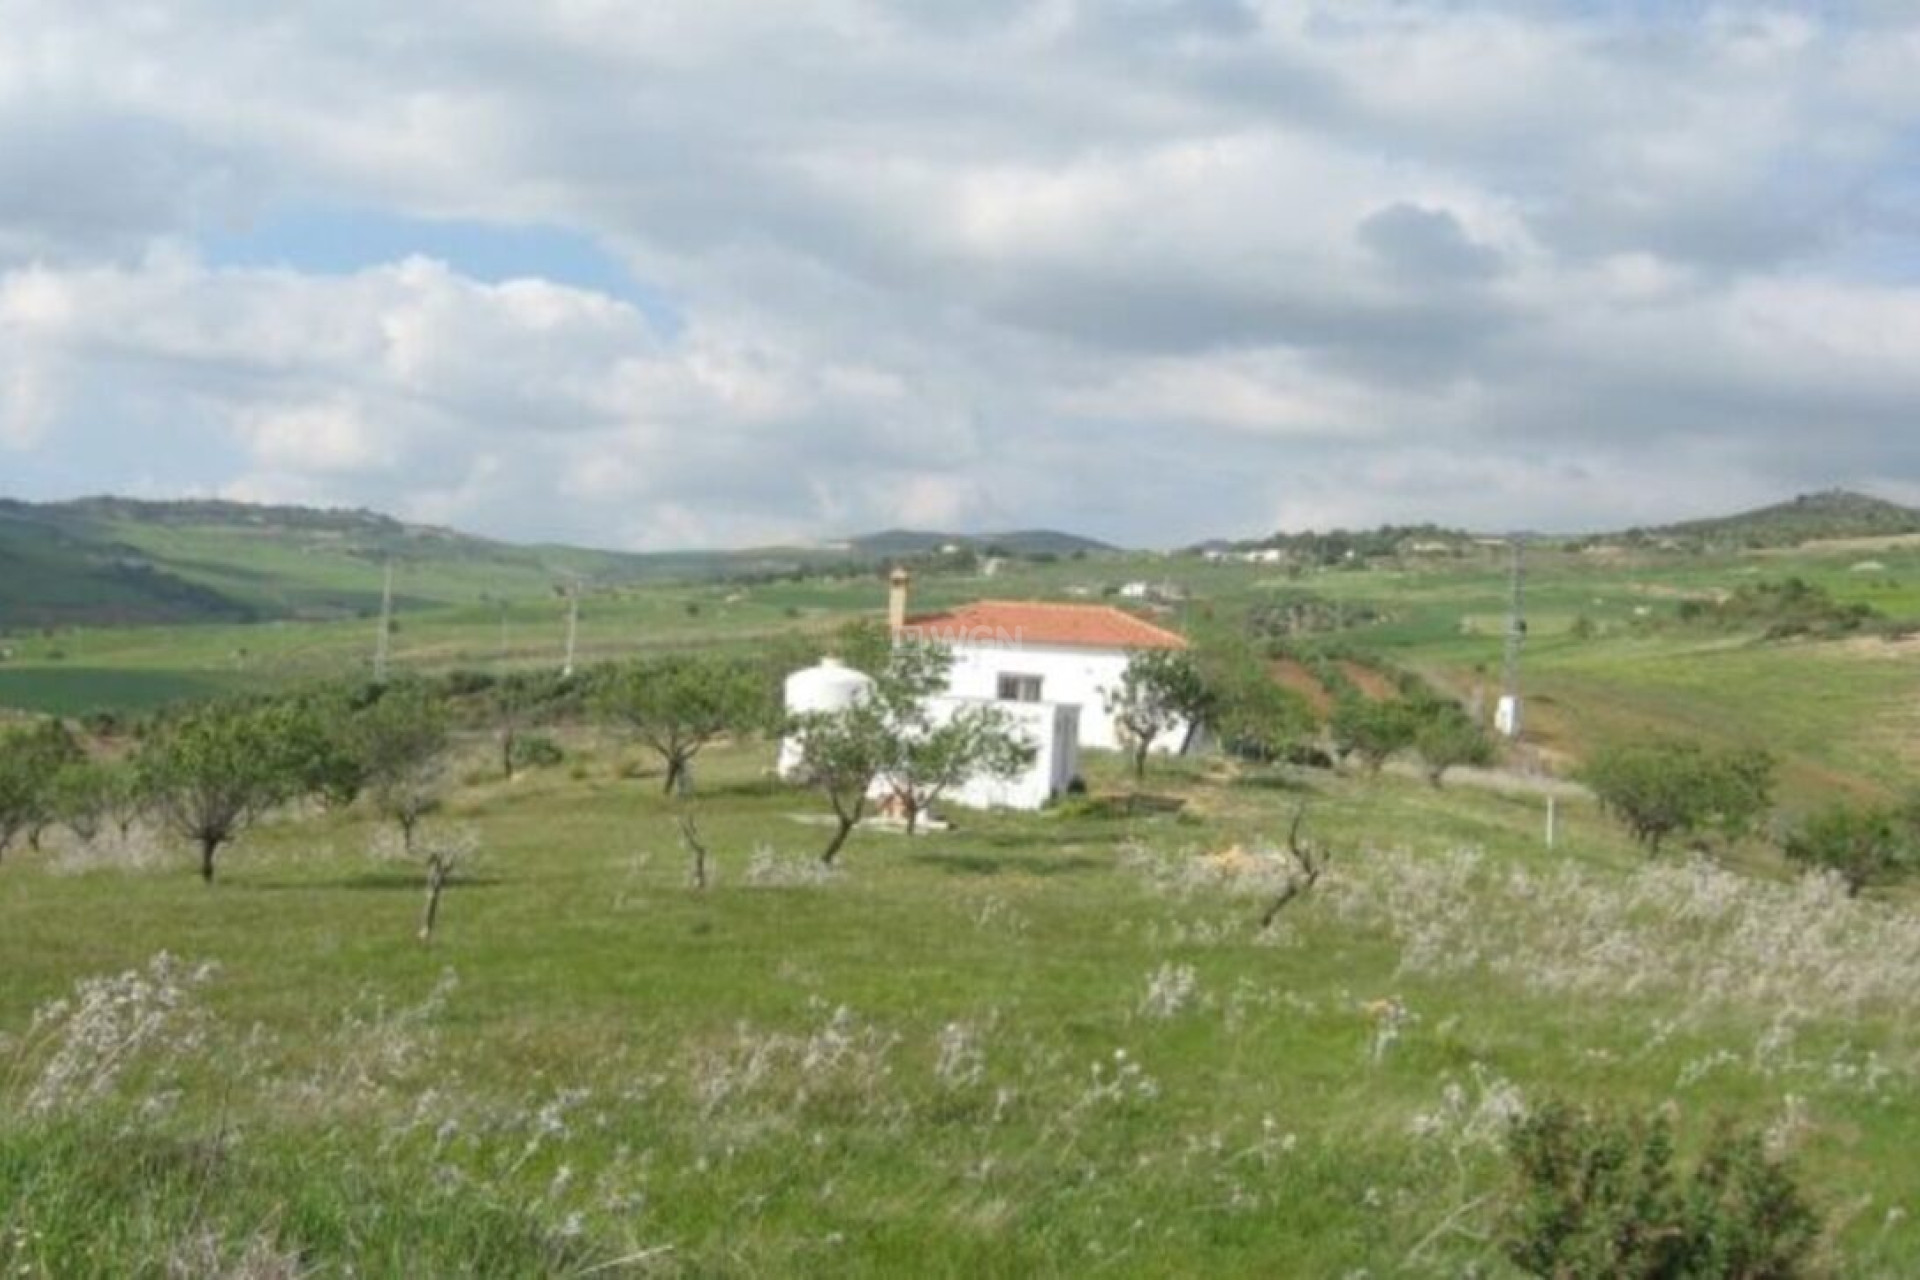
(1029, 864)
(1276, 781)
(369, 882)
(1124, 805)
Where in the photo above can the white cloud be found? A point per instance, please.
(1159, 270)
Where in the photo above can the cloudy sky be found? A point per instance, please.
(715, 272)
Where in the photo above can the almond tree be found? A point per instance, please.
(888, 740)
(19, 787)
(30, 761)
(399, 743)
(1161, 690)
(841, 753)
(677, 705)
(925, 760)
(1863, 846)
(216, 769)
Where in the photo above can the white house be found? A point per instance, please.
(1050, 729)
(1030, 652)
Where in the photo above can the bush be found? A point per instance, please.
(1596, 1195)
(1449, 738)
(1661, 789)
(1862, 846)
(536, 751)
(1372, 730)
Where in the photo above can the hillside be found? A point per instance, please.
(1812, 517)
(114, 561)
(117, 562)
(1020, 542)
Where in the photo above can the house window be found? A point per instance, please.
(1015, 688)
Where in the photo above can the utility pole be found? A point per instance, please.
(385, 639)
(573, 628)
(1506, 719)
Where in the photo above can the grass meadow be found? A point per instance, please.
(1037, 1044)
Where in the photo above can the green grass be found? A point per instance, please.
(681, 1056)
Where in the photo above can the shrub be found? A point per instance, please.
(1372, 730)
(1596, 1195)
(1661, 789)
(1862, 846)
(1450, 738)
(536, 751)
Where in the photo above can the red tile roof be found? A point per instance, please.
(1080, 626)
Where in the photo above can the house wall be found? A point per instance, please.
(1079, 677)
(1050, 729)
(1053, 732)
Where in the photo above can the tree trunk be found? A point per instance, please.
(209, 846)
(676, 769)
(839, 838)
(690, 833)
(506, 753)
(913, 817)
(1140, 760)
(436, 883)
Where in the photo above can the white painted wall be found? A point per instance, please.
(1050, 729)
(1079, 677)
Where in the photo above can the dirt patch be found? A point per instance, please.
(1372, 685)
(1884, 542)
(1882, 648)
(1291, 674)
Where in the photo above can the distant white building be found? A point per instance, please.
(1050, 729)
(1048, 666)
(1031, 652)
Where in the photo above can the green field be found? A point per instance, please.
(1036, 1045)
(1839, 712)
(1043, 1044)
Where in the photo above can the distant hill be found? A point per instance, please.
(1020, 542)
(1812, 517)
(117, 561)
(122, 561)
(1348, 546)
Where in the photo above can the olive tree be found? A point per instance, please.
(1372, 730)
(1863, 845)
(1254, 717)
(889, 740)
(840, 754)
(50, 749)
(82, 797)
(1448, 738)
(19, 789)
(926, 759)
(1661, 789)
(678, 704)
(399, 743)
(1160, 691)
(213, 771)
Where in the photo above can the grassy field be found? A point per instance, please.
(1605, 657)
(1039, 1044)
(1049, 1044)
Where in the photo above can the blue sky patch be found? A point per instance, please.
(336, 241)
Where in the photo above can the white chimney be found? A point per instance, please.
(897, 585)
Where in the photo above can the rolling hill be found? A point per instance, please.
(122, 562)
(1811, 517)
(1030, 543)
